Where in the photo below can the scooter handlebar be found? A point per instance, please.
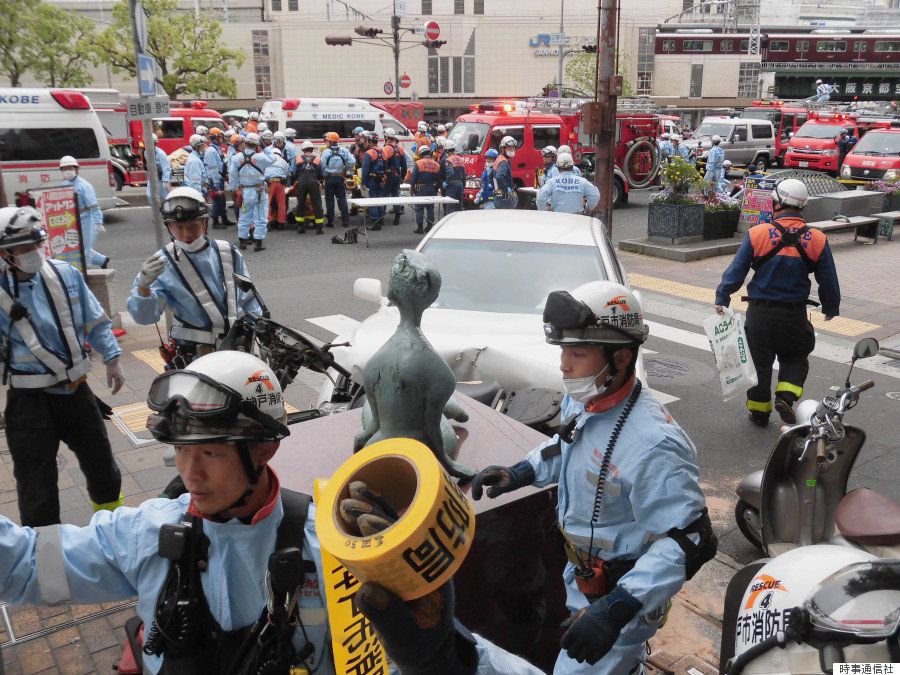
(868, 384)
(820, 450)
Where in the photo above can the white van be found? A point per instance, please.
(40, 126)
(312, 118)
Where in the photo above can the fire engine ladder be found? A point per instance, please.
(637, 104)
(556, 106)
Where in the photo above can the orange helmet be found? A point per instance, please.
(332, 137)
(237, 138)
(215, 131)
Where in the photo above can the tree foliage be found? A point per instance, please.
(581, 69)
(16, 50)
(190, 57)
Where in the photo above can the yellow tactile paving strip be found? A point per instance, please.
(152, 358)
(707, 296)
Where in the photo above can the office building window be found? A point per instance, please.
(469, 74)
(748, 80)
(433, 70)
(426, 6)
(293, 5)
(459, 6)
(479, 7)
(276, 5)
(261, 72)
(644, 83)
(445, 74)
(457, 74)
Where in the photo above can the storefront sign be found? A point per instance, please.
(549, 44)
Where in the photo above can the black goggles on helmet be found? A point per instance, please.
(566, 318)
(192, 406)
(183, 209)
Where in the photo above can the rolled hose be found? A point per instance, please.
(654, 168)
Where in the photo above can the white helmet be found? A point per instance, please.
(183, 204)
(68, 160)
(818, 81)
(424, 150)
(222, 397)
(716, 139)
(508, 140)
(564, 161)
(196, 139)
(252, 139)
(548, 150)
(202, 130)
(254, 116)
(390, 133)
(665, 136)
(422, 126)
(450, 146)
(675, 137)
(267, 135)
(155, 138)
(726, 163)
(290, 132)
(276, 151)
(441, 142)
(279, 136)
(441, 127)
(307, 145)
(21, 225)
(262, 127)
(791, 192)
(598, 312)
(229, 132)
(563, 148)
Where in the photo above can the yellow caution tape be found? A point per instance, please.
(422, 550)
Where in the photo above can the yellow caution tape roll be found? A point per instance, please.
(422, 550)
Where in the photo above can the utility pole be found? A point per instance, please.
(562, 47)
(609, 87)
(395, 29)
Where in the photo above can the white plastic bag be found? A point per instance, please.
(729, 347)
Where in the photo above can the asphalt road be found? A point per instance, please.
(304, 276)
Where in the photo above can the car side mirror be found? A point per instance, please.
(865, 348)
(369, 290)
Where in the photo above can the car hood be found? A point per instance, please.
(801, 144)
(872, 161)
(478, 346)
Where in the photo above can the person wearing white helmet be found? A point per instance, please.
(262, 128)
(437, 149)
(214, 159)
(425, 180)
(201, 130)
(308, 178)
(163, 171)
(290, 133)
(374, 170)
(252, 126)
(782, 254)
(47, 313)
(246, 179)
(280, 141)
(250, 556)
(395, 158)
(192, 277)
(548, 168)
(276, 175)
(631, 510)
(505, 195)
(454, 177)
(715, 159)
(90, 215)
(566, 149)
(823, 92)
(676, 149)
(196, 174)
(442, 130)
(565, 192)
(421, 136)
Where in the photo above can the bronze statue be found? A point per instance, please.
(407, 383)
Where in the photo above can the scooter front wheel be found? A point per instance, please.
(748, 523)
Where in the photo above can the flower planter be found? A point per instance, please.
(675, 223)
(720, 224)
(892, 201)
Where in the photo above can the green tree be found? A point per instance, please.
(188, 52)
(66, 39)
(16, 49)
(581, 69)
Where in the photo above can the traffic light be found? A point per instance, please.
(340, 41)
(367, 31)
(590, 49)
(434, 44)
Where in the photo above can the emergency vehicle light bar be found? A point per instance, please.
(290, 104)
(199, 105)
(71, 100)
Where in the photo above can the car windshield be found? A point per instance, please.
(875, 143)
(818, 131)
(469, 137)
(508, 276)
(709, 129)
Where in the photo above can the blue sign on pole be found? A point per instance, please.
(146, 75)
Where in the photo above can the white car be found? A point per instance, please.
(497, 268)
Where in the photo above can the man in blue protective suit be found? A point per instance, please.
(204, 566)
(676, 149)
(215, 170)
(630, 507)
(163, 172)
(485, 196)
(505, 195)
(336, 163)
(90, 215)
(664, 145)
(193, 278)
(46, 314)
(246, 175)
(196, 175)
(288, 151)
(715, 161)
(567, 193)
(823, 92)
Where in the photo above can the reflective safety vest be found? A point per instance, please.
(63, 368)
(220, 315)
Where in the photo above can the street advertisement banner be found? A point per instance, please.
(64, 241)
(756, 206)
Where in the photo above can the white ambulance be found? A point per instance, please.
(40, 126)
(312, 118)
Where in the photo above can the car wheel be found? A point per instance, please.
(761, 164)
(120, 181)
(618, 197)
(743, 514)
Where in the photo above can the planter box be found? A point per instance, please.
(892, 201)
(720, 224)
(675, 223)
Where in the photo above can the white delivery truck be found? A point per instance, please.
(40, 126)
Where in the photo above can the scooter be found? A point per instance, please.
(800, 498)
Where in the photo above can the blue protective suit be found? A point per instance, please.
(823, 93)
(715, 161)
(89, 321)
(195, 172)
(247, 171)
(214, 163)
(336, 161)
(665, 151)
(289, 152)
(651, 486)
(485, 196)
(91, 219)
(554, 171)
(682, 151)
(566, 193)
(115, 557)
(163, 174)
(169, 291)
(278, 168)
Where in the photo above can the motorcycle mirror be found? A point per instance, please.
(368, 289)
(247, 286)
(865, 348)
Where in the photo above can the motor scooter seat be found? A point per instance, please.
(866, 517)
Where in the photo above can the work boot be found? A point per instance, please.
(419, 229)
(243, 243)
(785, 410)
(301, 226)
(760, 419)
(428, 227)
(228, 223)
(217, 223)
(396, 217)
(345, 223)
(258, 245)
(330, 224)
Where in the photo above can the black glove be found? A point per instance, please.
(420, 636)
(596, 627)
(502, 479)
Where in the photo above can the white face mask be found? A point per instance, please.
(69, 174)
(583, 389)
(194, 246)
(31, 262)
(510, 153)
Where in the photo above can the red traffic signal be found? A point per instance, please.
(590, 49)
(341, 41)
(433, 44)
(367, 31)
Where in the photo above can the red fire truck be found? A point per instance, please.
(785, 118)
(539, 122)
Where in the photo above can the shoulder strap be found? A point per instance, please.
(291, 528)
(787, 239)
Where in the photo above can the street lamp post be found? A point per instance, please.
(562, 51)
